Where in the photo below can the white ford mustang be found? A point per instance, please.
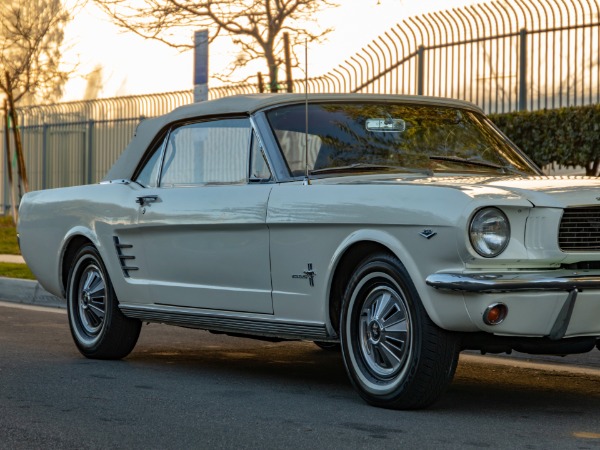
(403, 229)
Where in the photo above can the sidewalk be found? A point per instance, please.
(15, 259)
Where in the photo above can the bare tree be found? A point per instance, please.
(255, 26)
(31, 35)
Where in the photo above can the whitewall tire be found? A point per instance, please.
(395, 356)
(99, 328)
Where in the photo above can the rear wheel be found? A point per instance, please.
(395, 356)
(99, 328)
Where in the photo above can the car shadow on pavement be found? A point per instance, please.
(477, 386)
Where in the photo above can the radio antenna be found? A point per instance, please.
(306, 177)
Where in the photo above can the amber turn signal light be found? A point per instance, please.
(495, 313)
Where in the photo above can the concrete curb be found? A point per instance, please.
(508, 361)
(15, 290)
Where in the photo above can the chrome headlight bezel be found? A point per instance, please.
(489, 232)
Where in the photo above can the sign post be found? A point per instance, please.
(201, 66)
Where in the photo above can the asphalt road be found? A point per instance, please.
(190, 389)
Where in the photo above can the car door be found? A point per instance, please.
(206, 243)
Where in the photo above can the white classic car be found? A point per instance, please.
(403, 229)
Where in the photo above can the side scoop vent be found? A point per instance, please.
(123, 259)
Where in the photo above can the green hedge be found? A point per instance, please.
(567, 136)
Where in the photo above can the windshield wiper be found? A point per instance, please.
(467, 162)
(361, 167)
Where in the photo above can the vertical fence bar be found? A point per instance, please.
(44, 155)
(523, 69)
(568, 67)
(547, 48)
(538, 37)
(420, 70)
(90, 150)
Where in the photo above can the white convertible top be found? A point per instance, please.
(245, 105)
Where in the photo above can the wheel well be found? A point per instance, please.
(349, 261)
(72, 248)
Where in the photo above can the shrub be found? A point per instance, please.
(567, 136)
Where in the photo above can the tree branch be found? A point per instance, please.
(255, 26)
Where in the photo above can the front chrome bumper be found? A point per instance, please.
(553, 280)
(569, 281)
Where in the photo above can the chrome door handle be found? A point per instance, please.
(146, 199)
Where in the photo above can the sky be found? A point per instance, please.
(131, 65)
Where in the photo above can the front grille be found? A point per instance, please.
(580, 230)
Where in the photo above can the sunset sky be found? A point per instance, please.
(132, 65)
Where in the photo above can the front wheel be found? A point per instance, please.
(395, 356)
(99, 328)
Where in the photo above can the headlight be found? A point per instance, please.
(489, 232)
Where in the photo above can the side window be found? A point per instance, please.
(259, 170)
(148, 176)
(207, 152)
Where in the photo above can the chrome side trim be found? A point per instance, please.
(554, 280)
(120, 181)
(227, 323)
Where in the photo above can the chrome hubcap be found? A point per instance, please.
(92, 300)
(385, 332)
(374, 332)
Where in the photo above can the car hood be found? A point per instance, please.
(557, 192)
(554, 191)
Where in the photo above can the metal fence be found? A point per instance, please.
(502, 55)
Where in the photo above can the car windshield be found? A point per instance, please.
(346, 138)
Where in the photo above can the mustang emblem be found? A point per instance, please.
(310, 274)
(428, 234)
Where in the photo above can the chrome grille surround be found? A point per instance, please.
(579, 229)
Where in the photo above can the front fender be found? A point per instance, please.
(447, 310)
